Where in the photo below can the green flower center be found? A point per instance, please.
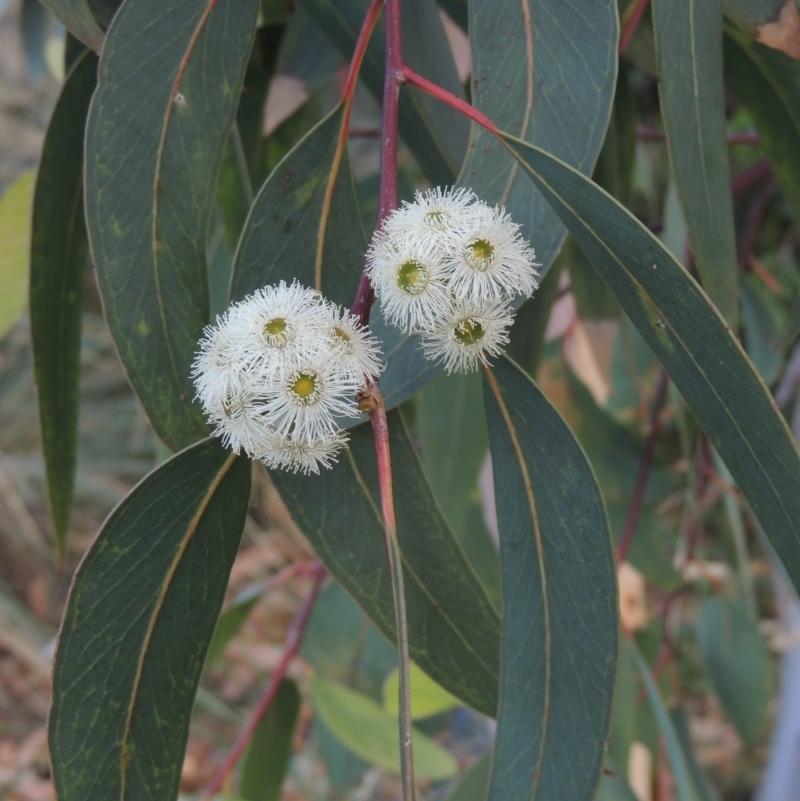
(437, 220)
(305, 387)
(480, 254)
(277, 332)
(340, 335)
(468, 332)
(412, 277)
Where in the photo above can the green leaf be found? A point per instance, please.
(15, 219)
(691, 91)
(560, 621)
(166, 97)
(427, 697)
(271, 747)
(139, 618)
(768, 83)
(474, 783)
(373, 734)
(454, 442)
(231, 620)
(435, 133)
(59, 250)
(692, 342)
(78, 19)
(752, 14)
(763, 325)
(546, 70)
(680, 720)
(738, 664)
(453, 628)
(295, 231)
(684, 783)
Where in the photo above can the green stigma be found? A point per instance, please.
(305, 387)
(340, 335)
(437, 220)
(468, 332)
(412, 277)
(277, 332)
(482, 252)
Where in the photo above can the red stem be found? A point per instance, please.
(293, 640)
(754, 218)
(630, 23)
(644, 469)
(751, 176)
(645, 134)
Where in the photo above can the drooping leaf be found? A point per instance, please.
(78, 20)
(139, 618)
(435, 133)
(684, 781)
(560, 620)
(453, 628)
(15, 218)
(545, 70)
(373, 734)
(689, 48)
(166, 98)
(427, 697)
(454, 442)
(59, 251)
(691, 340)
(268, 756)
(768, 83)
(295, 231)
(737, 662)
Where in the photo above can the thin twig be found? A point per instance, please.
(293, 640)
(646, 134)
(630, 22)
(760, 171)
(644, 470)
(371, 401)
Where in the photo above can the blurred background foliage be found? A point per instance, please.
(711, 612)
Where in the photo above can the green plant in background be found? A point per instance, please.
(226, 260)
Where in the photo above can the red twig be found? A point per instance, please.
(760, 171)
(754, 219)
(293, 640)
(645, 134)
(630, 22)
(644, 469)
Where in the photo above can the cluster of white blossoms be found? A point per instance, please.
(448, 267)
(279, 371)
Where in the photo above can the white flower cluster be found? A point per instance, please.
(448, 267)
(279, 370)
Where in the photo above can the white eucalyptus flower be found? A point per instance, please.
(217, 368)
(491, 259)
(308, 397)
(408, 277)
(357, 351)
(434, 217)
(240, 420)
(303, 455)
(471, 332)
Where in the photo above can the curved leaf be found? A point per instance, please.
(546, 70)
(560, 622)
(691, 340)
(139, 618)
(78, 19)
(436, 134)
(368, 731)
(294, 230)
(59, 252)
(166, 98)
(689, 49)
(452, 627)
(768, 83)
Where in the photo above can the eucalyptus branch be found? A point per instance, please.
(293, 641)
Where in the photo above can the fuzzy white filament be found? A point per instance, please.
(277, 373)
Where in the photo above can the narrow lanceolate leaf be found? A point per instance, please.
(768, 83)
(544, 70)
(139, 618)
(15, 222)
(453, 628)
(737, 663)
(689, 47)
(304, 222)
(166, 98)
(691, 340)
(58, 267)
(435, 133)
(271, 747)
(78, 19)
(560, 624)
